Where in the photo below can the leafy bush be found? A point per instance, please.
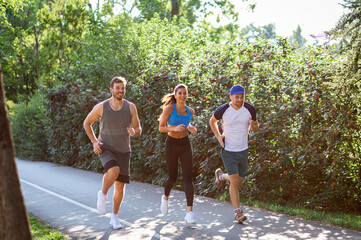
(27, 126)
(307, 149)
(67, 108)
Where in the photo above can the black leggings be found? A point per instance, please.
(179, 149)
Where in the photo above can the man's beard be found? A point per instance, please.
(239, 105)
(118, 97)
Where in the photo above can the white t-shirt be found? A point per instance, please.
(235, 125)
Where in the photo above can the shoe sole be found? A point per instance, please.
(217, 183)
(161, 200)
(101, 212)
(243, 218)
(189, 222)
(116, 228)
(98, 208)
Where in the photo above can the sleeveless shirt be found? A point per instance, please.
(175, 119)
(113, 127)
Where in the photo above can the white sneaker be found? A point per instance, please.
(189, 218)
(114, 221)
(101, 203)
(164, 205)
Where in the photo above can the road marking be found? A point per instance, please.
(154, 234)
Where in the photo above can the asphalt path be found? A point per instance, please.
(65, 198)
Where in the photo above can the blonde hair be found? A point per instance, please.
(169, 99)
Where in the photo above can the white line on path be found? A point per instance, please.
(154, 234)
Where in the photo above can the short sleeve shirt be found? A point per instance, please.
(235, 125)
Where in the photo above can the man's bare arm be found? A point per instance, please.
(214, 126)
(92, 117)
(136, 129)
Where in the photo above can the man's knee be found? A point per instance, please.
(240, 180)
(235, 179)
(119, 186)
(113, 172)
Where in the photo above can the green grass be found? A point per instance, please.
(349, 221)
(42, 231)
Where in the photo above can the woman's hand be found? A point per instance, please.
(180, 128)
(192, 129)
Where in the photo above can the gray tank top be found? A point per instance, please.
(113, 127)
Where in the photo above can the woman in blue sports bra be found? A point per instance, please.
(175, 120)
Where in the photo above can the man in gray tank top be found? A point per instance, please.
(118, 121)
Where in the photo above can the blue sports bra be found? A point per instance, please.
(175, 119)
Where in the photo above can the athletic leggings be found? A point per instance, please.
(179, 149)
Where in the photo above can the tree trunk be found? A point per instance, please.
(14, 224)
(175, 7)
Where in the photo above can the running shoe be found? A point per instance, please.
(239, 217)
(189, 218)
(101, 203)
(114, 221)
(218, 182)
(164, 205)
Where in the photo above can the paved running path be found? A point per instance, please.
(65, 197)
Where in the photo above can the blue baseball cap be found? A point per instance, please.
(236, 89)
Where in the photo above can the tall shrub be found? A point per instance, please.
(307, 148)
(67, 108)
(27, 126)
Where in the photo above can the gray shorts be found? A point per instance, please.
(235, 162)
(111, 158)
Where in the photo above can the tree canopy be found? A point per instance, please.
(297, 37)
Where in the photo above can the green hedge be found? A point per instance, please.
(28, 121)
(307, 149)
(67, 108)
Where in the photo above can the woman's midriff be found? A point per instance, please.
(178, 134)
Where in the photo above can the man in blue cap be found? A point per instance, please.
(238, 118)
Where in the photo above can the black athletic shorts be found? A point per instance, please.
(111, 158)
